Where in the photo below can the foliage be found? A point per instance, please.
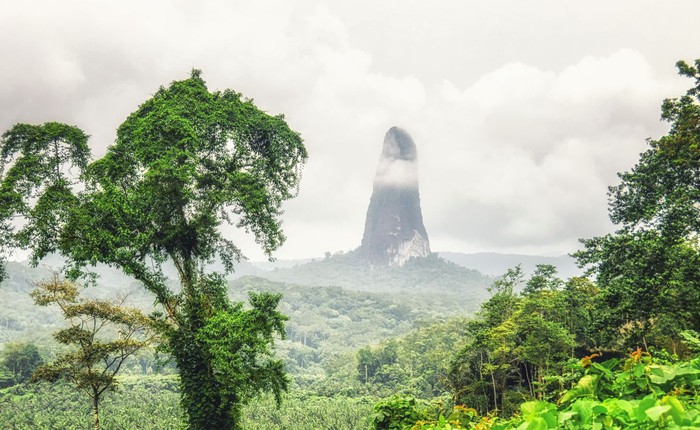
(583, 310)
(326, 326)
(97, 353)
(418, 363)
(351, 271)
(151, 403)
(518, 342)
(148, 403)
(647, 270)
(691, 339)
(239, 344)
(20, 359)
(186, 163)
(304, 412)
(37, 164)
(648, 286)
(398, 412)
(459, 418)
(615, 394)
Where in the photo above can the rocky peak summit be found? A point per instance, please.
(394, 230)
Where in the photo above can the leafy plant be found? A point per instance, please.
(460, 417)
(615, 394)
(398, 412)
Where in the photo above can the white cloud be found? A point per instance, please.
(396, 173)
(538, 149)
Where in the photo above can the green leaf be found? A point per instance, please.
(566, 416)
(677, 410)
(642, 406)
(656, 412)
(536, 408)
(537, 423)
(585, 387)
(599, 409)
(584, 410)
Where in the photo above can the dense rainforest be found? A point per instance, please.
(193, 348)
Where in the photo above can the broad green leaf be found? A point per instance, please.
(642, 406)
(537, 423)
(566, 416)
(584, 388)
(656, 412)
(677, 410)
(599, 409)
(584, 409)
(533, 408)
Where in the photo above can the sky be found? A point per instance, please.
(522, 112)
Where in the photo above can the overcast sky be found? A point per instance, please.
(522, 112)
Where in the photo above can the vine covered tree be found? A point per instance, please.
(185, 164)
(101, 336)
(647, 270)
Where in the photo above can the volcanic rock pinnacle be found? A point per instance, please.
(394, 230)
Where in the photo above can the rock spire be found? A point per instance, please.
(394, 230)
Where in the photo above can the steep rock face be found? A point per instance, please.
(394, 230)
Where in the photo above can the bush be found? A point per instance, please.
(616, 394)
(398, 412)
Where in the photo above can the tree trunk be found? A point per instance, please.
(95, 412)
(528, 377)
(495, 396)
(206, 407)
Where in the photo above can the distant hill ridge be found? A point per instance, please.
(491, 264)
(495, 264)
(350, 270)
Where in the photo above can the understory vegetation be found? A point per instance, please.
(152, 403)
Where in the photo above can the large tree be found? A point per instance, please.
(648, 270)
(185, 164)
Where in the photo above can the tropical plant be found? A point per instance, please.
(398, 412)
(615, 394)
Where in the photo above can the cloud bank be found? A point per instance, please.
(521, 115)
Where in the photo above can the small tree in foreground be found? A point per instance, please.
(101, 336)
